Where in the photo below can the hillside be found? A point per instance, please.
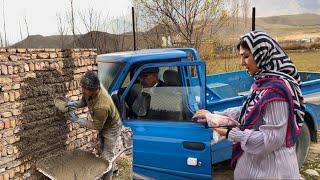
(291, 20)
(282, 28)
(291, 27)
(39, 41)
(285, 27)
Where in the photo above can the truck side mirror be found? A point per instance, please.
(141, 105)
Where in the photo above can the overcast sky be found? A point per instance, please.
(42, 19)
(41, 15)
(284, 7)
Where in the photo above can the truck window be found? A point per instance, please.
(165, 100)
(126, 81)
(108, 72)
(193, 86)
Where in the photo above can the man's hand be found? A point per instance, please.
(71, 105)
(73, 117)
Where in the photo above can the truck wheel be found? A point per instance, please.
(303, 144)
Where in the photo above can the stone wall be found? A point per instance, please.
(30, 126)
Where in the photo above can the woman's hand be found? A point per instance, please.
(221, 131)
(201, 116)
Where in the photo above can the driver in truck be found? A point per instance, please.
(104, 114)
(149, 78)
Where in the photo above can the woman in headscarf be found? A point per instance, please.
(271, 117)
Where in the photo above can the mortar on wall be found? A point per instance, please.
(30, 126)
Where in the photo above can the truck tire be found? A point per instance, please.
(303, 144)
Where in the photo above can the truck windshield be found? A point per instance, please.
(108, 73)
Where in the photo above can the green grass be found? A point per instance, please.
(304, 61)
(125, 168)
(222, 64)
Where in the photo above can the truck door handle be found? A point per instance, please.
(197, 146)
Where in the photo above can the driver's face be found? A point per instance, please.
(148, 80)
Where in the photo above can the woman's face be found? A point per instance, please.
(247, 61)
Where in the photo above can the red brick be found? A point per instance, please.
(6, 176)
(4, 69)
(18, 122)
(7, 123)
(13, 123)
(10, 70)
(17, 169)
(11, 95)
(6, 97)
(6, 114)
(16, 86)
(1, 125)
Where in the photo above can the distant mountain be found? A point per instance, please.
(39, 41)
(291, 27)
(278, 26)
(104, 42)
(291, 20)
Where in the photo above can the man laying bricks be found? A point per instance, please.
(104, 114)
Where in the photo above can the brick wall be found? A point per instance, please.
(30, 126)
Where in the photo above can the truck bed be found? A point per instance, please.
(230, 89)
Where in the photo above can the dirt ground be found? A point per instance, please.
(224, 172)
(125, 168)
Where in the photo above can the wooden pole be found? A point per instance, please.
(134, 30)
(253, 18)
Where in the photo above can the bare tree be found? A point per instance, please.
(94, 24)
(27, 29)
(1, 40)
(151, 32)
(21, 36)
(119, 26)
(72, 21)
(245, 9)
(62, 30)
(91, 21)
(4, 25)
(187, 19)
(27, 26)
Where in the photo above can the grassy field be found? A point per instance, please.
(304, 61)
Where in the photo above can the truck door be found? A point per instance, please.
(167, 144)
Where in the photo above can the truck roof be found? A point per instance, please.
(142, 55)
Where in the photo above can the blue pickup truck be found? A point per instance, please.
(167, 144)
